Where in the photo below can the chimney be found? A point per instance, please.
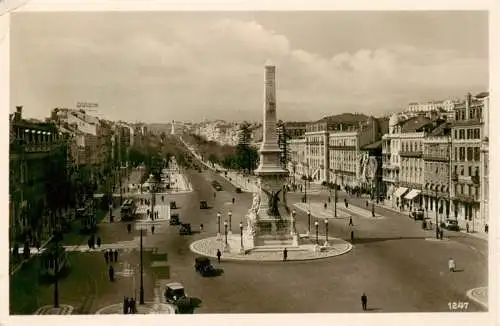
(18, 115)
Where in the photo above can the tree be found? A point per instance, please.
(246, 158)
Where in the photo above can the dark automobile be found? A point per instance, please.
(203, 266)
(203, 204)
(238, 190)
(216, 185)
(174, 219)
(451, 225)
(417, 214)
(173, 292)
(173, 204)
(185, 229)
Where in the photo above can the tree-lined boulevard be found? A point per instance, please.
(399, 266)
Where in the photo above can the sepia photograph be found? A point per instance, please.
(248, 162)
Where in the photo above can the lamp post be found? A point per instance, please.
(326, 233)
(141, 288)
(316, 224)
(242, 249)
(218, 225)
(436, 204)
(225, 232)
(335, 198)
(292, 232)
(308, 223)
(230, 214)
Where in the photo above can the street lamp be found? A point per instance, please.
(225, 232)
(241, 238)
(316, 224)
(335, 197)
(308, 223)
(141, 289)
(293, 223)
(230, 215)
(218, 224)
(326, 233)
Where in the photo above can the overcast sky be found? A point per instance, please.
(155, 67)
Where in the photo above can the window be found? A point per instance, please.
(470, 153)
(456, 153)
(470, 171)
(476, 171)
(462, 154)
(461, 170)
(476, 154)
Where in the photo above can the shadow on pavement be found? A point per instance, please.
(373, 309)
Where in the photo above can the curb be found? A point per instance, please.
(248, 258)
(62, 307)
(120, 308)
(473, 298)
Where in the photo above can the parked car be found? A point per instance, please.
(174, 219)
(451, 225)
(417, 214)
(185, 229)
(173, 204)
(216, 185)
(238, 190)
(203, 204)
(203, 266)
(173, 292)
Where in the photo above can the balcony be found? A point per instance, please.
(342, 148)
(435, 158)
(471, 198)
(411, 154)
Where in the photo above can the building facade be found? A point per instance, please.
(467, 131)
(317, 151)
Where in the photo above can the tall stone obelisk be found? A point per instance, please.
(271, 226)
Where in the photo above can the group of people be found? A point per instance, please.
(111, 255)
(129, 306)
(93, 241)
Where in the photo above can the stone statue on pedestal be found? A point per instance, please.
(272, 202)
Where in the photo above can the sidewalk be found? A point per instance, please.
(318, 211)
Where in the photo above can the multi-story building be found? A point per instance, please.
(316, 164)
(437, 177)
(485, 162)
(345, 143)
(403, 162)
(370, 178)
(297, 163)
(467, 131)
(32, 146)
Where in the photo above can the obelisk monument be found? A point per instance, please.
(271, 226)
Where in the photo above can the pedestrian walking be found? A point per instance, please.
(364, 301)
(233, 200)
(115, 254)
(373, 211)
(98, 242)
(215, 194)
(451, 265)
(129, 228)
(125, 305)
(467, 227)
(367, 203)
(106, 257)
(350, 221)
(352, 236)
(162, 198)
(92, 241)
(285, 254)
(325, 205)
(201, 227)
(486, 228)
(111, 273)
(89, 244)
(441, 233)
(218, 255)
(152, 229)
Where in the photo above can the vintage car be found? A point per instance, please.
(185, 229)
(203, 266)
(173, 204)
(203, 204)
(451, 225)
(216, 185)
(417, 214)
(173, 292)
(238, 190)
(174, 219)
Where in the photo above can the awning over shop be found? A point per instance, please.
(400, 191)
(412, 194)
